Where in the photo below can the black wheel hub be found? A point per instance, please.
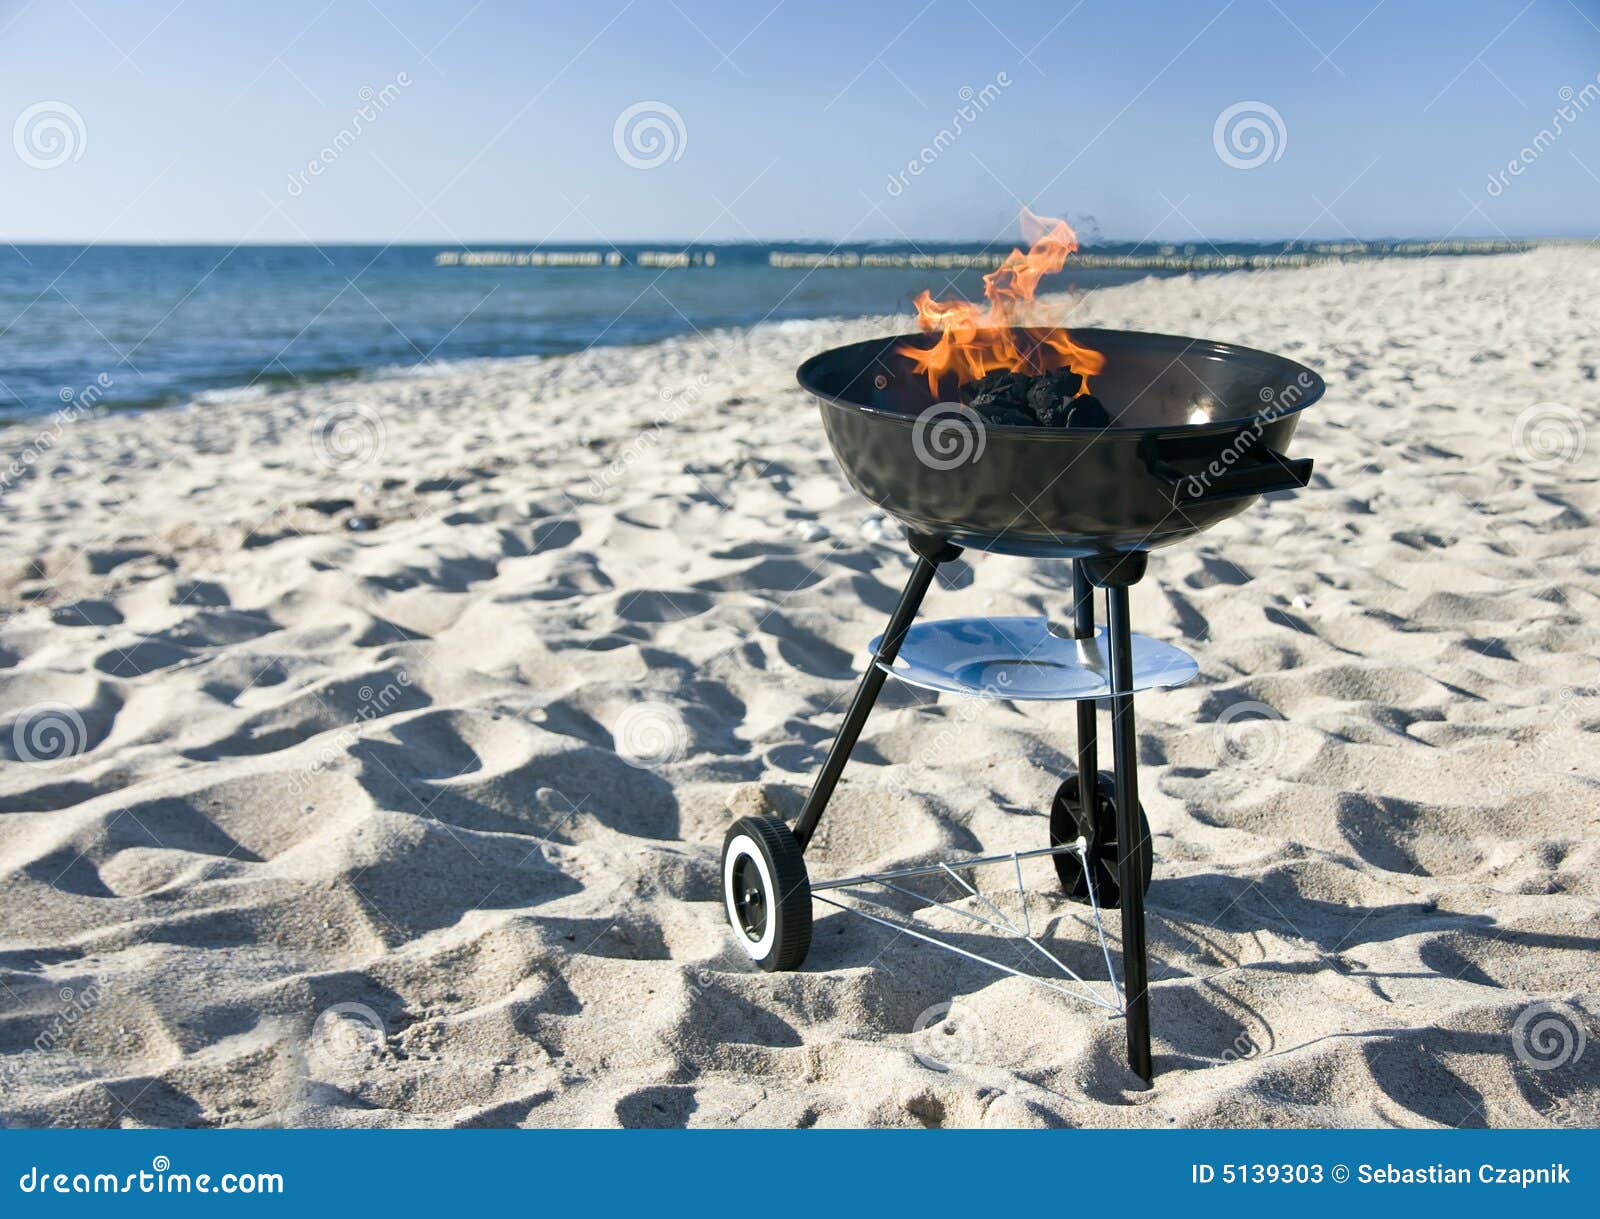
(749, 898)
(1069, 821)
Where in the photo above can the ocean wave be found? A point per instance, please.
(231, 394)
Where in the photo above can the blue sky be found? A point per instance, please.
(1380, 118)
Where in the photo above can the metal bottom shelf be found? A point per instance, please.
(1022, 658)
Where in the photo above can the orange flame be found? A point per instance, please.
(975, 340)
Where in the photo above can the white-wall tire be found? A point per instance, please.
(766, 892)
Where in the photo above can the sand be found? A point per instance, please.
(418, 824)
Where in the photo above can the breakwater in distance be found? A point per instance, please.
(1188, 257)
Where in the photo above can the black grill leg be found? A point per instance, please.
(1088, 740)
(930, 553)
(1125, 748)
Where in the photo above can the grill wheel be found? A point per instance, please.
(767, 892)
(1067, 822)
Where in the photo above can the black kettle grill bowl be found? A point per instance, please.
(1199, 431)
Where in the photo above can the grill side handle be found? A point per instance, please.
(1202, 470)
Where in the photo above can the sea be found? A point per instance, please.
(130, 327)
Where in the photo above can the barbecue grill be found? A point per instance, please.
(1199, 430)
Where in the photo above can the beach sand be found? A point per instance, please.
(419, 824)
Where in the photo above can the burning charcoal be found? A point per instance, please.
(1010, 399)
(1054, 412)
(1002, 389)
(1001, 415)
(1050, 395)
(969, 390)
(991, 383)
(1087, 412)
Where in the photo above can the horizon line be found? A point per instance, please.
(672, 242)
